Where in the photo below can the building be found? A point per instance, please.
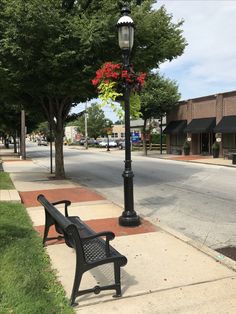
(71, 134)
(118, 132)
(202, 121)
(136, 129)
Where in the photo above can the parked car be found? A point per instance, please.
(42, 142)
(121, 145)
(90, 141)
(105, 144)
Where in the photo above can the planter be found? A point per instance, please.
(215, 153)
(186, 151)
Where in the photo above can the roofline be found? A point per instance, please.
(208, 97)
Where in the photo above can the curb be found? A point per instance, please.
(193, 161)
(218, 257)
(10, 196)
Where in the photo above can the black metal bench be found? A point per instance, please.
(92, 249)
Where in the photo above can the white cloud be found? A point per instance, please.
(208, 63)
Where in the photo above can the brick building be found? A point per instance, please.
(201, 121)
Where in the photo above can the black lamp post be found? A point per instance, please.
(125, 27)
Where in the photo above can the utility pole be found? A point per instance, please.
(161, 139)
(23, 154)
(86, 126)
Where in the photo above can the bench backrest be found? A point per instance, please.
(63, 225)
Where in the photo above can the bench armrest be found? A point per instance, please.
(109, 236)
(66, 202)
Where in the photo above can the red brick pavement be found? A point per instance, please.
(188, 157)
(79, 194)
(106, 224)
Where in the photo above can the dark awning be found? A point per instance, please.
(175, 127)
(226, 125)
(204, 125)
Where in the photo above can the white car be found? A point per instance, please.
(42, 142)
(105, 144)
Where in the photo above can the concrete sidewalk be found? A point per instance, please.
(8, 195)
(166, 271)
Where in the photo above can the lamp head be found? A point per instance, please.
(125, 27)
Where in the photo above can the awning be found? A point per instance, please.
(226, 125)
(175, 127)
(204, 125)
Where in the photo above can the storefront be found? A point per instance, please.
(200, 131)
(226, 132)
(176, 135)
(201, 122)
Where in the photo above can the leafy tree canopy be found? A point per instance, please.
(158, 96)
(47, 51)
(97, 123)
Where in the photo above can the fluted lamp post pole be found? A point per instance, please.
(125, 25)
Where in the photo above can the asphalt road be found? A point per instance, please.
(196, 199)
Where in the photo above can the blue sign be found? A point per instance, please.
(135, 137)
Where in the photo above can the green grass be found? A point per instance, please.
(5, 181)
(27, 283)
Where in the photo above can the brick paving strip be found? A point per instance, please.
(107, 224)
(78, 194)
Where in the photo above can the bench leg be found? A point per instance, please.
(46, 229)
(117, 280)
(75, 289)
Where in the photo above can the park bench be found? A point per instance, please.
(92, 249)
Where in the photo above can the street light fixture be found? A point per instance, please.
(125, 27)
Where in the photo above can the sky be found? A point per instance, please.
(208, 65)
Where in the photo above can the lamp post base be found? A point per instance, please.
(129, 219)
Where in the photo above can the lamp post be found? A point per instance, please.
(125, 27)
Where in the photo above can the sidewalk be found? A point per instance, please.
(166, 272)
(8, 195)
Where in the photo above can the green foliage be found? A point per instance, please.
(27, 285)
(5, 181)
(43, 128)
(156, 138)
(186, 145)
(158, 96)
(96, 122)
(216, 146)
(135, 106)
(46, 51)
(108, 95)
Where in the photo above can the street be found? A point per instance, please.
(197, 200)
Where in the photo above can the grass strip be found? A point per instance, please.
(5, 181)
(27, 283)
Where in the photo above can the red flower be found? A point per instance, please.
(113, 72)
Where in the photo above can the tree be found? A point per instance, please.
(158, 97)
(50, 50)
(97, 122)
(10, 121)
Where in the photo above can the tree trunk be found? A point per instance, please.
(144, 137)
(56, 111)
(59, 157)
